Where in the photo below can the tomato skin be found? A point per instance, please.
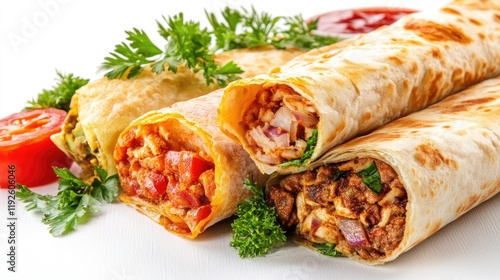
(156, 185)
(191, 166)
(202, 213)
(27, 153)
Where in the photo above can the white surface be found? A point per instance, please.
(75, 36)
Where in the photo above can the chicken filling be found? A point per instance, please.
(278, 124)
(167, 172)
(358, 206)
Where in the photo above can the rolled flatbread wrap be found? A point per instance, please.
(376, 196)
(330, 95)
(101, 110)
(179, 169)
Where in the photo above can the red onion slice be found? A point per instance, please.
(261, 139)
(305, 120)
(353, 232)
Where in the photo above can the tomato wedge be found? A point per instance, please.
(27, 153)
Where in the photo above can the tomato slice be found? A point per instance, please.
(27, 153)
(191, 166)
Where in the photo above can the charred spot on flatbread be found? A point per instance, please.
(433, 31)
(429, 156)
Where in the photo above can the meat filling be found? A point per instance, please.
(168, 173)
(359, 205)
(278, 124)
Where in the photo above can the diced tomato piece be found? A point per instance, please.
(191, 166)
(130, 186)
(155, 184)
(202, 212)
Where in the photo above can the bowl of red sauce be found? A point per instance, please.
(352, 22)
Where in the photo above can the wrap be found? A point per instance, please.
(376, 196)
(179, 169)
(351, 88)
(101, 110)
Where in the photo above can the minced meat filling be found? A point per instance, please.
(333, 204)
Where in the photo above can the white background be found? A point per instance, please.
(38, 37)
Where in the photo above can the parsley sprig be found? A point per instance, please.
(190, 45)
(300, 34)
(243, 29)
(75, 202)
(186, 44)
(248, 28)
(256, 229)
(60, 95)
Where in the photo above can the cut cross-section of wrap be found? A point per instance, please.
(342, 92)
(178, 168)
(101, 110)
(376, 196)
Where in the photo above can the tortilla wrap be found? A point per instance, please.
(434, 165)
(184, 207)
(101, 110)
(347, 90)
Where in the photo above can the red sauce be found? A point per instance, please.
(361, 20)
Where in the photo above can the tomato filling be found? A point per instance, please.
(156, 169)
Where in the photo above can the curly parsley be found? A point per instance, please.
(256, 229)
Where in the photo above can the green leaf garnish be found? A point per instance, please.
(248, 28)
(75, 202)
(328, 249)
(190, 45)
(186, 44)
(308, 152)
(371, 177)
(244, 29)
(59, 96)
(300, 34)
(338, 174)
(256, 229)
